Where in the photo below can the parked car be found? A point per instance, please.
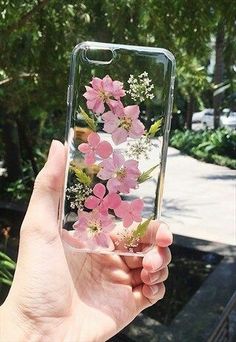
(205, 119)
(202, 119)
(197, 117)
(228, 119)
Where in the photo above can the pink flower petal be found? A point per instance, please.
(102, 240)
(93, 139)
(111, 122)
(89, 158)
(103, 208)
(104, 174)
(122, 210)
(127, 220)
(137, 205)
(90, 93)
(118, 160)
(118, 90)
(113, 200)
(99, 106)
(96, 83)
(104, 149)
(91, 104)
(137, 129)
(119, 136)
(132, 111)
(137, 217)
(84, 148)
(107, 84)
(119, 109)
(91, 202)
(113, 185)
(99, 190)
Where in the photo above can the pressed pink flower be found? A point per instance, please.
(130, 212)
(102, 202)
(123, 122)
(95, 147)
(94, 228)
(103, 91)
(121, 174)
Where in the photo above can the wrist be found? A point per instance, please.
(13, 327)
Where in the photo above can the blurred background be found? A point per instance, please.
(36, 40)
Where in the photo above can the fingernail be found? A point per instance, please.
(154, 277)
(156, 263)
(52, 149)
(154, 289)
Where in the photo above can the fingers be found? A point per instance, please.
(158, 232)
(140, 276)
(156, 259)
(153, 293)
(164, 237)
(153, 274)
(155, 277)
(133, 262)
(154, 268)
(146, 296)
(42, 212)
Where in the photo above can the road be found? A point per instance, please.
(199, 199)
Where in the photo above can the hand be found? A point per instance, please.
(60, 295)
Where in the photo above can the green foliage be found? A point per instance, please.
(214, 146)
(90, 122)
(81, 176)
(37, 37)
(155, 127)
(146, 174)
(141, 229)
(7, 267)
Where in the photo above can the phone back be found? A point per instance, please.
(119, 111)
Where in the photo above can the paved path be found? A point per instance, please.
(199, 199)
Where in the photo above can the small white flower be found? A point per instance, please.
(140, 88)
(140, 148)
(77, 194)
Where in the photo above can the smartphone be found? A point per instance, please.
(119, 104)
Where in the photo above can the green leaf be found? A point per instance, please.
(5, 257)
(6, 274)
(90, 122)
(146, 174)
(81, 175)
(7, 264)
(5, 281)
(141, 229)
(155, 127)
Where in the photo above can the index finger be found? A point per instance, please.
(159, 233)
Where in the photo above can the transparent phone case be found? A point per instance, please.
(119, 110)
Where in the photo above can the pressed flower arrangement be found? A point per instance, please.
(105, 204)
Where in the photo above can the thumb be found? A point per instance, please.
(42, 213)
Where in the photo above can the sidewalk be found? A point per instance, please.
(199, 199)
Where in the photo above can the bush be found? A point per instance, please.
(213, 146)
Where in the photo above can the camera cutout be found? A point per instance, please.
(98, 56)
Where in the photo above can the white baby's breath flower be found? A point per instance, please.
(139, 148)
(77, 194)
(140, 88)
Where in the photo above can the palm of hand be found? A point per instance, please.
(59, 295)
(106, 292)
(88, 297)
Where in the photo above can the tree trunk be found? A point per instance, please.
(12, 157)
(27, 144)
(189, 112)
(219, 71)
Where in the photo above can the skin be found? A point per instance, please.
(60, 295)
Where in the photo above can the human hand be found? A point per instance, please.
(60, 295)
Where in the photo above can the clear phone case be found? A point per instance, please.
(119, 111)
